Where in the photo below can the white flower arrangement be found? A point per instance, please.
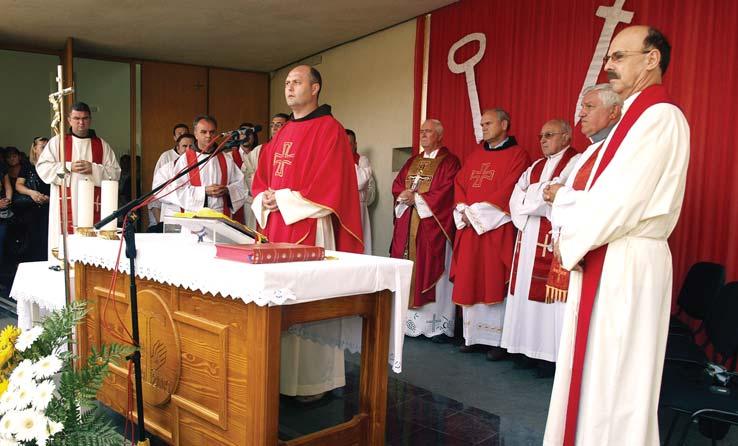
(43, 397)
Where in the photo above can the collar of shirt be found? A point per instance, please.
(558, 154)
(602, 134)
(431, 154)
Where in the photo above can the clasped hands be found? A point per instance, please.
(269, 201)
(4, 202)
(406, 197)
(216, 190)
(549, 192)
(82, 167)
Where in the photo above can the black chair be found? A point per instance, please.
(702, 283)
(694, 388)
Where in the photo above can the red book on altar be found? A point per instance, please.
(269, 252)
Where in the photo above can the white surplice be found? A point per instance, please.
(167, 157)
(433, 318)
(192, 198)
(365, 178)
(633, 208)
(250, 162)
(49, 164)
(308, 367)
(168, 203)
(532, 328)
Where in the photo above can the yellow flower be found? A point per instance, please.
(9, 334)
(3, 386)
(6, 352)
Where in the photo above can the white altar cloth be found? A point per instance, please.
(178, 260)
(38, 291)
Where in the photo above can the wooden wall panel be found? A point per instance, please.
(170, 93)
(238, 96)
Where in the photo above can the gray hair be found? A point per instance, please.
(563, 125)
(606, 94)
(437, 126)
(502, 115)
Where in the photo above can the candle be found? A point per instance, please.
(85, 198)
(109, 202)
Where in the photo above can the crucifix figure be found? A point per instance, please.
(485, 173)
(283, 158)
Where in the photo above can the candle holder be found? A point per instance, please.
(111, 234)
(85, 232)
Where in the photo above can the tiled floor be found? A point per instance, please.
(441, 398)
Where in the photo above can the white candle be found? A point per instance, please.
(85, 198)
(109, 202)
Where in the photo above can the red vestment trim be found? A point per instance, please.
(542, 261)
(97, 157)
(595, 260)
(196, 181)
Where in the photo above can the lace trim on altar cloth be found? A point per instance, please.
(232, 290)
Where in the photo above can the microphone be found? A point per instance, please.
(242, 132)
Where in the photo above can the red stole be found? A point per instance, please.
(543, 257)
(196, 181)
(557, 286)
(97, 158)
(237, 157)
(356, 158)
(595, 259)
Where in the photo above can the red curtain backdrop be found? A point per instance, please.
(537, 55)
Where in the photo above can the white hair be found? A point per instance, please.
(437, 126)
(606, 94)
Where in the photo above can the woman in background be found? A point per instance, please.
(36, 206)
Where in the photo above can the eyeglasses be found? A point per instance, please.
(276, 125)
(548, 135)
(618, 56)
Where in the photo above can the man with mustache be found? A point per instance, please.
(608, 377)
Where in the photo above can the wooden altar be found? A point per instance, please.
(211, 364)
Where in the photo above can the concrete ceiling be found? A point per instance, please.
(259, 35)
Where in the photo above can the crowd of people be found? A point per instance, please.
(514, 248)
(24, 210)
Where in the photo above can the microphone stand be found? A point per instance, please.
(129, 236)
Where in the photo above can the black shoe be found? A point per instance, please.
(545, 369)
(470, 348)
(496, 354)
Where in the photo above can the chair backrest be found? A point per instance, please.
(703, 282)
(722, 322)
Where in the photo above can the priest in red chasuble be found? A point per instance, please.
(424, 231)
(533, 317)
(485, 236)
(305, 191)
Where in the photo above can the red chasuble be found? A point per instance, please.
(312, 156)
(424, 240)
(543, 256)
(482, 263)
(97, 158)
